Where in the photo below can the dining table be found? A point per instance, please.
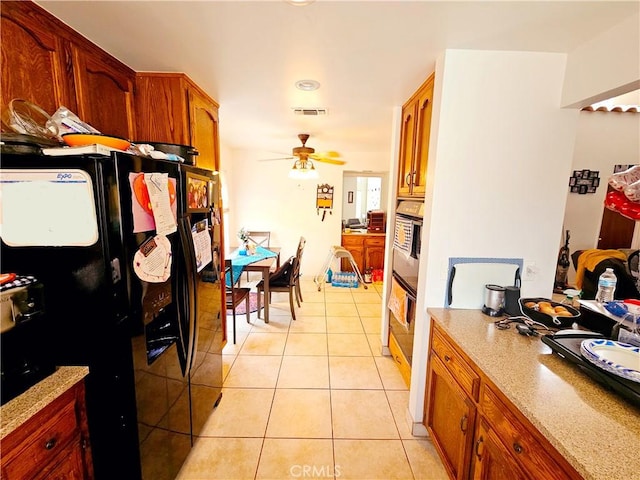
(261, 263)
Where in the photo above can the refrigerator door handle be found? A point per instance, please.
(189, 258)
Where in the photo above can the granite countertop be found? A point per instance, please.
(16, 412)
(364, 232)
(597, 431)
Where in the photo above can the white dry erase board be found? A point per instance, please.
(468, 277)
(47, 208)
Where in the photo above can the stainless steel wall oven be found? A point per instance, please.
(405, 268)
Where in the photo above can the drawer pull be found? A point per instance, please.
(447, 358)
(517, 447)
(478, 444)
(50, 443)
(463, 423)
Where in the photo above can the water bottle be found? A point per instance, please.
(329, 275)
(606, 286)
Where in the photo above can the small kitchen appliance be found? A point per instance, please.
(493, 300)
(511, 301)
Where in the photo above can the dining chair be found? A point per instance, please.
(235, 295)
(301, 244)
(286, 279)
(260, 238)
(282, 280)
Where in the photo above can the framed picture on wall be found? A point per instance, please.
(584, 181)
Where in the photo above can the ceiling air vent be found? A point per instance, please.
(310, 111)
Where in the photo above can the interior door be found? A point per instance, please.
(616, 231)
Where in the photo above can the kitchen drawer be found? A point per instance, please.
(374, 242)
(518, 439)
(42, 438)
(400, 359)
(468, 379)
(353, 240)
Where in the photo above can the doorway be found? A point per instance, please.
(616, 231)
(363, 192)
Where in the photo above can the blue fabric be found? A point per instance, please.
(239, 261)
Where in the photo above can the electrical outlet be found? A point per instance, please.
(530, 271)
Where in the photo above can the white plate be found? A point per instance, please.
(618, 358)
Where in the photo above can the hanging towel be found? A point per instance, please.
(403, 236)
(398, 303)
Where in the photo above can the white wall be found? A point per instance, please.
(603, 139)
(263, 197)
(500, 157)
(604, 67)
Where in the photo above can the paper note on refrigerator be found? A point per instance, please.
(202, 244)
(158, 187)
(141, 207)
(152, 261)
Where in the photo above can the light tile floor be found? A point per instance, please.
(312, 398)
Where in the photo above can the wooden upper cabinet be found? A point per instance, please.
(203, 119)
(104, 91)
(407, 141)
(171, 108)
(414, 141)
(423, 134)
(49, 64)
(36, 65)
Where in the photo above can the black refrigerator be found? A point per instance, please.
(127, 250)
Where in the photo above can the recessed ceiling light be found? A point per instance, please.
(307, 85)
(300, 3)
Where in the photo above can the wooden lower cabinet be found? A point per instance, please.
(492, 461)
(53, 444)
(450, 419)
(476, 430)
(367, 251)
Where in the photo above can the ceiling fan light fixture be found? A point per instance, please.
(303, 170)
(307, 85)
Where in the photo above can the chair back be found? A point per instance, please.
(227, 271)
(261, 239)
(285, 275)
(301, 245)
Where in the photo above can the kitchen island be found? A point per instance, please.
(593, 429)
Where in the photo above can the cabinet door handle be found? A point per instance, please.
(397, 359)
(413, 177)
(463, 423)
(447, 358)
(49, 444)
(478, 444)
(517, 447)
(407, 179)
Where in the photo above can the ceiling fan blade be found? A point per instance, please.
(328, 157)
(273, 159)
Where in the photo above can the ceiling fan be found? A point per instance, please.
(305, 156)
(305, 153)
